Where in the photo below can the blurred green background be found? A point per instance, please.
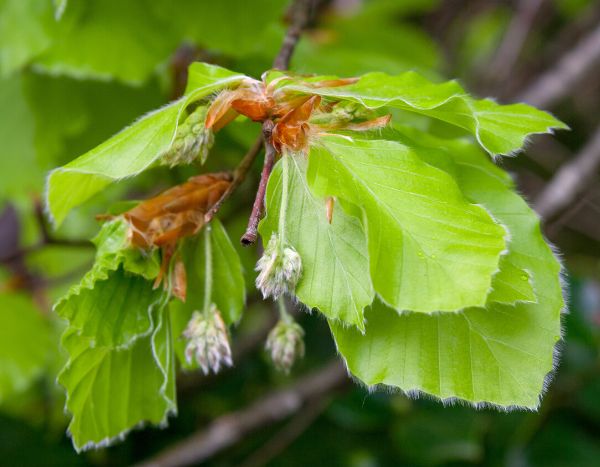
(70, 78)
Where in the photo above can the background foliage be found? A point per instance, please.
(71, 77)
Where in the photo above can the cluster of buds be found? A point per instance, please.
(285, 344)
(192, 140)
(340, 114)
(280, 268)
(208, 341)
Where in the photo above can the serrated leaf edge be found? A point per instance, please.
(171, 404)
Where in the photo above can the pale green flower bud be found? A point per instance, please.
(208, 341)
(280, 268)
(285, 344)
(192, 141)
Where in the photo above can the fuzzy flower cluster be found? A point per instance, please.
(285, 344)
(279, 268)
(192, 141)
(208, 341)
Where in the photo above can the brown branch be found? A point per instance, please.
(301, 13)
(228, 430)
(512, 43)
(288, 434)
(559, 81)
(251, 233)
(571, 179)
(15, 253)
(239, 175)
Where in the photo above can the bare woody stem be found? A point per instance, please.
(301, 13)
(229, 429)
(251, 233)
(239, 176)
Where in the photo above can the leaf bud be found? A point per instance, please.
(192, 141)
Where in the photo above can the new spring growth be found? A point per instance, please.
(208, 341)
(192, 140)
(280, 268)
(285, 343)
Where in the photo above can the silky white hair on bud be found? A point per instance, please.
(280, 268)
(285, 344)
(208, 341)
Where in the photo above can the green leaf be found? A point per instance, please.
(500, 354)
(59, 8)
(114, 250)
(511, 283)
(112, 390)
(99, 40)
(72, 115)
(24, 344)
(335, 266)
(17, 150)
(201, 75)
(430, 249)
(115, 312)
(499, 129)
(228, 290)
(26, 29)
(130, 152)
(232, 28)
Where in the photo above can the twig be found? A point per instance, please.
(239, 176)
(233, 427)
(251, 233)
(15, 252)
(558, 82)
(571, 179)
(301, 12)
(288, 434)
(514, 38)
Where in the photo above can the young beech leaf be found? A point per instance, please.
(335, 267)
(512, 282)
(114, 250)
(202, 74)
(110, 389)
(24, 344)
(106, 312)
(500, 129)
(429, 248)
(130, 152)
(228, 291)
(500, 354)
